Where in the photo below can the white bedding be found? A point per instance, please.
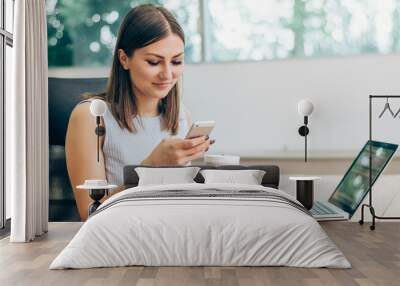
(200, 231)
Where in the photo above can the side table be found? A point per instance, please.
(305, 190)
(97, 189)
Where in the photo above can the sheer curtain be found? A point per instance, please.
(27, 124)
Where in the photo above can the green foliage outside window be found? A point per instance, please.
(83, 33)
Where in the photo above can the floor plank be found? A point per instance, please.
(374, 255)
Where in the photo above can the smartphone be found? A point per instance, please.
(200, 128)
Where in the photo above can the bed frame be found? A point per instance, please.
(270, 179)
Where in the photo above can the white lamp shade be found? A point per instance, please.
(98, 107)
(305, 107)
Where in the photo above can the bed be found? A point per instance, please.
(201, 224)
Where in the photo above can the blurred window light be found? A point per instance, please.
(232, 30)
(84, 33)
(273, 29)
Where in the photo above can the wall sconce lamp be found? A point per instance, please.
(97, 109)
(305, 108)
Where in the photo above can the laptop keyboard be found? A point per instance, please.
(321, 209)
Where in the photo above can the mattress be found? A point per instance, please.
(201, 225)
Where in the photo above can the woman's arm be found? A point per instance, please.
(81, 154)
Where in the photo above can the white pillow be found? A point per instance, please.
(249, 177)
(161, 176)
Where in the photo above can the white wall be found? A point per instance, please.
(255, 103)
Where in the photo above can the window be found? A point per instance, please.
(270, 29)
(6, 43)
(83, 33)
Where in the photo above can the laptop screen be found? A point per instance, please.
(355, 183)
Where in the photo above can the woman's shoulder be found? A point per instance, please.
(81, 112)
(82, 108)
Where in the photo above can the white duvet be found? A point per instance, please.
(200, 231)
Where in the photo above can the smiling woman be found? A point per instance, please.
(145, 122)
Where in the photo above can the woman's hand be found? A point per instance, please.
(177, 151)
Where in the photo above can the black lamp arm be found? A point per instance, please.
(303, 131)
(100, 131)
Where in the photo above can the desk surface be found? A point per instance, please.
(292, 155)
(304, 178)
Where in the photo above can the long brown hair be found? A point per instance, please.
(142, 26)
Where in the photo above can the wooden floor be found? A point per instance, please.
(375, 257)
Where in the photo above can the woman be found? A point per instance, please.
(145, 122)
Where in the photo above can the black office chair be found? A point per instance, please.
(64, 94)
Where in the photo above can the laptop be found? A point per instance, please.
(354, 185)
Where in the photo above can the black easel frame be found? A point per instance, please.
(371, 208)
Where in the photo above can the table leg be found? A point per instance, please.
(305, 193)
(96, 195)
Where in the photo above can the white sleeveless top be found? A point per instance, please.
(121, 147)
